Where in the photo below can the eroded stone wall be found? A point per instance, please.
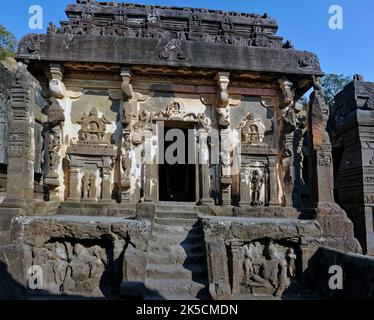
(82, 257)
(249, 258)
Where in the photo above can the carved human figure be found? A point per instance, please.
(53, 149)
(257, 181)
(250, 275)
(291, 267)
(272, 272)
(89, 186)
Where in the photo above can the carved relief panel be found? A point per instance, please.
(258, 172)
(91, 161)
(265, 268)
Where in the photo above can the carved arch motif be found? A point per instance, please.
(252, 129)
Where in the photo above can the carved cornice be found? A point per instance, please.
(129, 20)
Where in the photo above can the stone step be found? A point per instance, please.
(180, 258)
(165, 271)
(176, 222)
(178, 238)
(176, 229)
(175, 207)
(172, 289)
(177, 215)
(188, 248)
(46, 208)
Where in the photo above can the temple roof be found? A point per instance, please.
(139, 21)
(122, 33)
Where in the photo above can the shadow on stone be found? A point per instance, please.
(196, 260)
(137, 290)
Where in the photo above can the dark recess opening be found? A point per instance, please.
(177, 181)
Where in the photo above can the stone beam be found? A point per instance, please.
(141, 51)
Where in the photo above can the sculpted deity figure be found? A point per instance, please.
(271, 273)
(257, 181)
(89, 186)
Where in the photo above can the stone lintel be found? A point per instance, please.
(135, 51)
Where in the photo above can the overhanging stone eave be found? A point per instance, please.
(135, 51)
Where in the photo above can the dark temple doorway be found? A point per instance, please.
(177, 182)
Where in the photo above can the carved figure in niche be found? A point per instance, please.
(291, 267)
(287, 161)
(53, 148)
(257, 181)
(89, 186)
(92, 128)
(126, 161)
(270, 273)
(252, 129)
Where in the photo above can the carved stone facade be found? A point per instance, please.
(155, 118)
(91, 161)
(351, 129)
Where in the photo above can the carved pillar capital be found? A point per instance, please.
(288, 91)
(56, 86)
(126, 82)
(223, 81)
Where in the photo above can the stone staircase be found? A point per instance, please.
(176, 266)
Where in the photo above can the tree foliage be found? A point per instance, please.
(8, 43)
(332, 85)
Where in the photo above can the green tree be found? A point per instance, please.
(332, 85)
(8, 43)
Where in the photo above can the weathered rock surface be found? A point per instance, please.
(357, 274)
(243, 253)
(78, 256)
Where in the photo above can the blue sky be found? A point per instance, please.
(304, 22)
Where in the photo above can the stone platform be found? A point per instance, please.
(179, 254)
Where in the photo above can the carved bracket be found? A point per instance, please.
(56, 86)
(223, 81)
(126, 85)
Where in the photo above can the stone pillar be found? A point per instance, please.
(128, 109)
(53, 139)
(324, 172)
(321, 166)
(235, 268)
(53, 136)
(337, 228)
(369, 223)
(204, 165)
(74, 191)
(105, 185)
(226, 163)
(287, 166)
(219, 284)
(126, 166)
(148, 164)
(245, 189)
(21, 153)
(273, 183)
(286, 127)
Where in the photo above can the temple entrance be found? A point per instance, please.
(177, 182)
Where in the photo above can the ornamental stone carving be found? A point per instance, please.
(92, 128)
(268, 269)
(252, 129)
